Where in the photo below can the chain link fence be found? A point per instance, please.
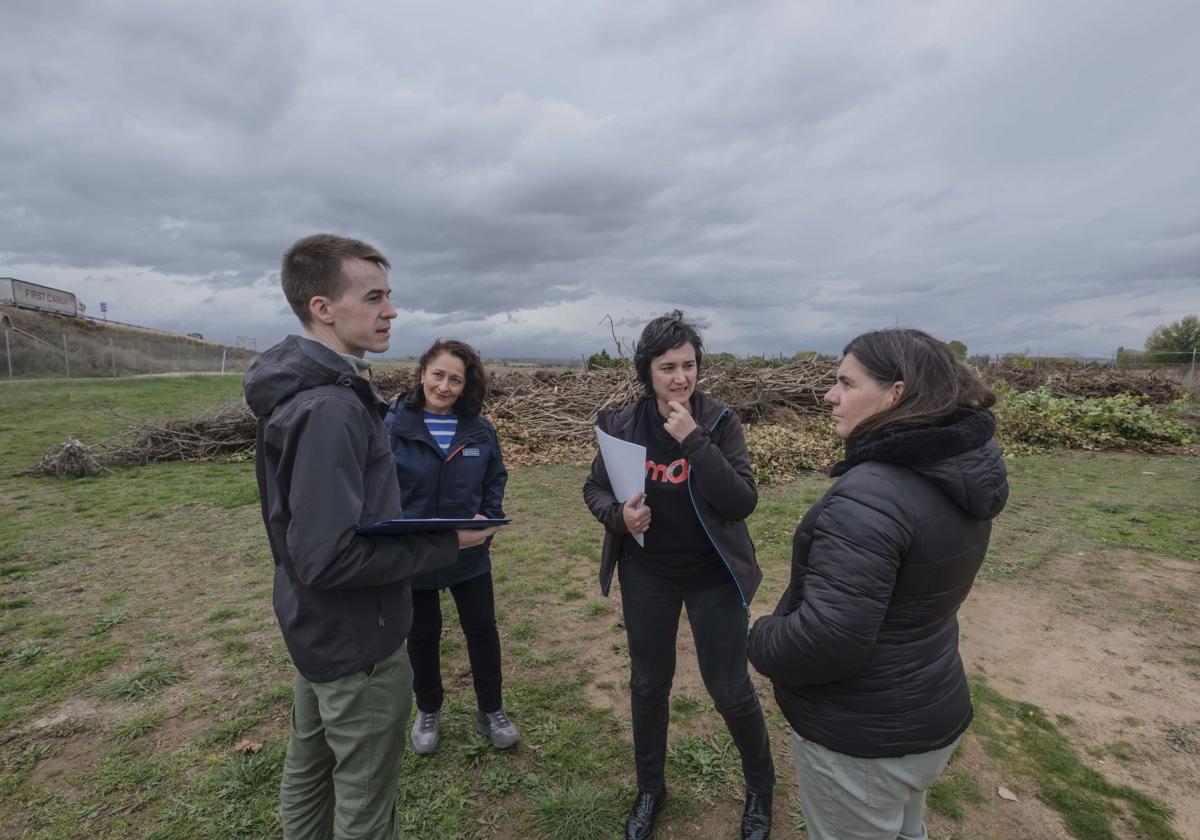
(37, 346)
(1182, 366)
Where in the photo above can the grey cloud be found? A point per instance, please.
(1028, 168)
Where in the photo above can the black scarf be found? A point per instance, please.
(951, 434)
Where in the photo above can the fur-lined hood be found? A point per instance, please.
(957, 452)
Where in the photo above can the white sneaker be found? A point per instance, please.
(425, 732)
(497, 728)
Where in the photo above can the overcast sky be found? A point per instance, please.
(1016, 175)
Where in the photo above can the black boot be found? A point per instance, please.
(756, 819)
(640, 825)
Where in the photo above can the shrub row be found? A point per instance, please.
(1026, 423)
(1038, 421)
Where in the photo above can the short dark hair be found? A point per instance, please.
(664, 333)
(313, 266)
(470, 402)
(935, 381)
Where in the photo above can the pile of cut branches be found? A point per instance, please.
(564, 405)
(1088, 381)
(545, 417)
(221, 432)
(70, 459)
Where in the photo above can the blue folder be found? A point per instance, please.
(398, 527)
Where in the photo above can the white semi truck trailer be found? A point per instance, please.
(16, 292)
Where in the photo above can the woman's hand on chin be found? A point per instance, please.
(680, 423)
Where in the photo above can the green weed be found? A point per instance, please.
(142, 683)
(577, 811)
(25, 691)
(108, 621)
(949, 793)
(685, 706)
(524, 630)
(220, 614)
(595, 609)
(709, 763)
(137, 726)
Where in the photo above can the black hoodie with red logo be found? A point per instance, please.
(713, 474)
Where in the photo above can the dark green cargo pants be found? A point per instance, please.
(343, 759)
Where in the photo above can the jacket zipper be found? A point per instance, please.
(445, 461)
(474, 437)
(707, 533)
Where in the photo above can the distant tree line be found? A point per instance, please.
(1167, 344)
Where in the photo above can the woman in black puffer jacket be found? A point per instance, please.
(863, 646)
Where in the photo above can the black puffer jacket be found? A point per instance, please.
(863, 646)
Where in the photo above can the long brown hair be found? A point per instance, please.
(935, 381)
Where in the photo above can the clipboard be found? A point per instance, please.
(400, 527)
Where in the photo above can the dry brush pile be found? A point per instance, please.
(547, 418)
(1153, 387)
(221, 432)
(541, 417)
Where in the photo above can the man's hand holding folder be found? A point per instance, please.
(470, 539)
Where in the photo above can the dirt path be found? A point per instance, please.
(1106, 640)
(1111, 642)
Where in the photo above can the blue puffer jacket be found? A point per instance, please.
(468, 480)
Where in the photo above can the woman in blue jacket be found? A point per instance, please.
(449, 465)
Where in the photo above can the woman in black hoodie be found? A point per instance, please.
(694, 550)
(863, 646)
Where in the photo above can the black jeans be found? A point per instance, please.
(476, 605)
(719, 623)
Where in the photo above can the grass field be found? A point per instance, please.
(144, 688)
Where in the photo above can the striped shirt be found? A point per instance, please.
(442, 427)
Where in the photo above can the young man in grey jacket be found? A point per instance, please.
(343, 601)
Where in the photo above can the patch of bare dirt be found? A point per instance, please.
(77, 754)
(1104, 642)
(77, 710)
(609, 668)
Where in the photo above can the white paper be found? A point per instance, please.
(626, 465)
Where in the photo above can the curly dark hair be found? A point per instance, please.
(664, 333)
(470, 402)
(935, 381)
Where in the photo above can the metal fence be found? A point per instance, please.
(1182, 366)
(29, 355)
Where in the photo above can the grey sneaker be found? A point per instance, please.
(425, 732)
(497, 728)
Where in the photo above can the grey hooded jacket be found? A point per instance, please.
(324, 468)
